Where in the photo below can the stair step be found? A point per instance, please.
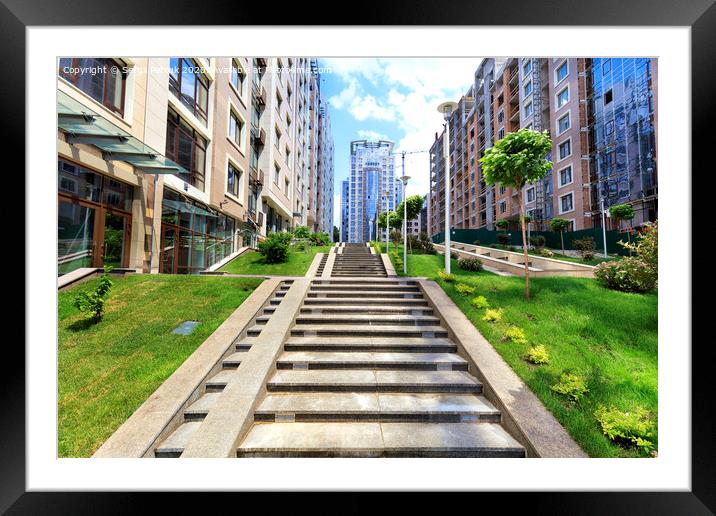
(379, 440)
(217, 382)
(174, 445)
(370, 360)
(372, 344)
(371, 293)
(245, 344)
(233, 361)
(314, 301)
(323, 380)
(366, 308)
(308, 330)
(369, 319)
(351, 406)
(365, 288)
(198, 410)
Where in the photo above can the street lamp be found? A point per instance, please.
(446, 108)
(405, 179)
(387, 221)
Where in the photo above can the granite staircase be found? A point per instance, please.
(356, 260)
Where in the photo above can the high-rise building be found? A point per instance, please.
(172, 164)
(601, 117)
(372, 187)
(344, 210)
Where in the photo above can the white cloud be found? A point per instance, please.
(372, 135)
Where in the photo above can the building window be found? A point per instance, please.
(501, 115)
(279, 101)
(530, 194)
(189, 85)
(186, 147)
(609, 127)
(565, 176)
(565, 149)
(503, 207)
(502, 190)
(234, 181)
(102, 79)
(562, 97)
(287, 187)
(562, 71)
(501, 133)
(527, 88)
(527, 67)
(238, 76)
(276, 173)
(608, 97)
(236, 129)
(606, 67)
(566, 203)
(278, 137)
(528, 109)
(563, 124)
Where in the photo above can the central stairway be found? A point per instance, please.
(368, 370)
(356, 260)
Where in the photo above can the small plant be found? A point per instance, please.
(547, 253)
(515, 335)
(476, 242)
(538, 241)
(633, 428)
(464, 289)
(426, 244)
(480, 302)
(492, 315)
(301, 232)
(629, 274)
(91, 303)
(559, 225)
(470, 264)
(274, 248)
(502, 224)
(454, 255)
(503, 238)
(571, 385)
(397, 260)
(538, 355)
(448, 278)
(586, 247)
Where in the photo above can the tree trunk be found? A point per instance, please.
(524, 248)
(561, 237)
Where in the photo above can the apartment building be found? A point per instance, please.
(579, 108)
(324, 191)
(372, 187)
(344, 210)
(172, 164)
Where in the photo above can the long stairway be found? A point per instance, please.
(356, 260)
(369, 371)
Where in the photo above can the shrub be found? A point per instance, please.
(464, 289)
(547, 253)
(629, 274)
(470, 264)
(647, 246)
(397, 260)
(571, 385)
(515, 334)
(503, 238)
(480, 302)
(476, 242)
(274, 248)
(538, 355)
(492, 315)
(502, 224)
(538, 241)
(454, 255)
(633, 428)
(585, 246)
(301, 232)
(396, 237)
(426, 244)
(91, 303)
(448, 278)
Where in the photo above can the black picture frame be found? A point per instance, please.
(700, 15)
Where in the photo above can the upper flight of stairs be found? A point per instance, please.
(356, 260)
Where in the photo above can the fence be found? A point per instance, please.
(552, 240)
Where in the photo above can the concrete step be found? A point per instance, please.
(233, 361)
(320, 301)
(245, 344)
(371, 319)
(379, 440)
(364, 287)
(377, 407)
(217, 382)
(372, 381)
(361, 293)
(361, 281)
(366, 308)
(372, 344)
(174, 445)
(309, 330)
(370, 360)
(198, 410)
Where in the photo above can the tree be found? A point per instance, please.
(502, 224)
(559, 224)
(620, 212)
(415, 204)
(515, 160)
(336, 234)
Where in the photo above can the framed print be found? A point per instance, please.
(377, 254)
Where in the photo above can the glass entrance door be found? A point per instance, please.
(116, 233)
(76, 239)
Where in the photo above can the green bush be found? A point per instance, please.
(492, 315)
(503, 238)
(274, 248)
(633, 428)
(629, 274)
(91, 303)
(454, 255)
(585, 246)
(571, 385)
(470, 264)
(476, 242)
(397, 260)
(480, 302)
(464, 289)
(320, 238)
(547, 253)
(514, 334)
(426, 244)
(647, 246)
(448, 278)
(538, 355)
(538, 241)
(302, 232)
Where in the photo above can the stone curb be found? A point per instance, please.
(328, 268)
(311, 272)
(523, 414)
(230, 419)
(163, 410)
(389, 269)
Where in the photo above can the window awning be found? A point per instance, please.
(82, 125)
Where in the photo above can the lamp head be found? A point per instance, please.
(405, 179)
(446, 108)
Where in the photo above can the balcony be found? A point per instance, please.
(258, 135)
(256, 177)
(259, 94)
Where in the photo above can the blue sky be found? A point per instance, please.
(394, 99)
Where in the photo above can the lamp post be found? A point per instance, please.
(387, 222)
(446, 108)
(405, 180)
(604, 226)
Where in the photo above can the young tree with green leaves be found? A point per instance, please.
(336, 234)
(620, 212)
(515, 160)
(415, 204)
(559, 224)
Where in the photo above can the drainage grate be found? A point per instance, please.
(186, 328)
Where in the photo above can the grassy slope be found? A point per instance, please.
(106, 371)
(252, 262)
(607, 336)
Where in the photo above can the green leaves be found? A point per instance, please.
(517, 159)
(621, 212)
(558, 224)
(415, 204)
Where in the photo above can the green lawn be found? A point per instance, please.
(252, 262)
(106, 371)
(608, 337)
